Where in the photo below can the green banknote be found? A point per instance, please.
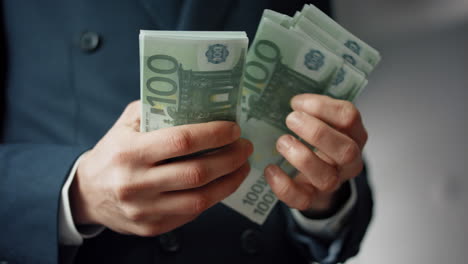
(280, 64)
(346, 83)
(281, 19)
(305, 25)
(190, 77)
(195, 77)
(290, 56)
(338, 32)
(351, 78)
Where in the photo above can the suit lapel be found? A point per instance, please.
(188, 14)
(164, 13)
(204, 14)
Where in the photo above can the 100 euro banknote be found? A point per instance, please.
(280, 64)
(190, 77)
(288, 57)
(194, 77)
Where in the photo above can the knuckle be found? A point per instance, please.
(149, 230)
(182, 141)
(317, 133)
(350, 154)
(283, 190)
(315, 105)
(349, 114)
(195, 175)
(123, 192)
(304, 159)
(219, 133)
(200, 204)
(123, 155)
(329, 185)
(308, 157)
(134, 214)
(304, 204)
(295, 121)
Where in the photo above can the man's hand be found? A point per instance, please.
(128, 183)
(335, 128)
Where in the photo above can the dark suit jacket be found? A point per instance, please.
(68, 70)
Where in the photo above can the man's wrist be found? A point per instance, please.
(78, 204)
(328, 228)
(337, 200)
(69, 234)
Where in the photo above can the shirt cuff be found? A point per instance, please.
(331, 227)
(69, 234)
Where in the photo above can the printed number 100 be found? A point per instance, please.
(258, 198)
(155, 84)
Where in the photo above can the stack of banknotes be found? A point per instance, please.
(194, 77)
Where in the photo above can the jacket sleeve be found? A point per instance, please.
(31, 177)
(359, 220)
(347, 243)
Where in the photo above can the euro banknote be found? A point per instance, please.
(289, 56)
(190, 77)
(195, 76)
(338, 32)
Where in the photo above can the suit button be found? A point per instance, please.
(250, 241)
(89, 41)
(169, 242)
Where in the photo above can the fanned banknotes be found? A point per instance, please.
(195, 77)
(290, 56)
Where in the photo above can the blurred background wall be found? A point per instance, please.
(415, 111)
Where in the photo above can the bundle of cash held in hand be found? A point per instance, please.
(307, 53)
(190, 77)
(194, 77)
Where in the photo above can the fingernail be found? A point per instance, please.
(284, 143)
(295, 118)
(269, 171)
(236, 132)
(297, 101)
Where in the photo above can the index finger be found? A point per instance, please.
(182, 140)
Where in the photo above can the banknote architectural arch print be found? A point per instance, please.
(271, 103)
(207, 95)
(272, 106)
